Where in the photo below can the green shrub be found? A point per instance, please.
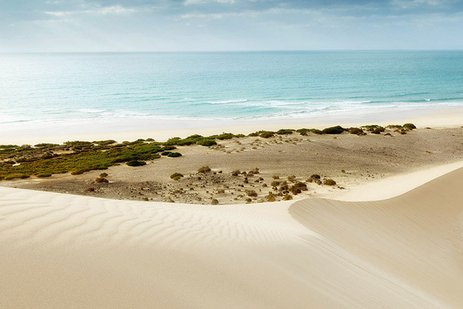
(44, 175)
(9, 146)
(215, 201)
(251, 193)
(176, 176)
(375, 129)
(81, 157)
(287, 197)
(303, 131)
(333, 130)
(315, 178)
(224, 136)
(79, 145)
(135, 163)
(190, 140)
(266, 134)
(285, 131)
(394, 126)
(105, 142)
(263, 134)
(378, 130)
(169, 147)
(204, 170)
(301, 186)
(356, 131)
(174, 154)
(16, 176)
(236, 173)
(206, 142)
(173, 141)
(46, 145)
(409, 126)
(329, 182)
(283, 186)
(101, 180)
(270, 197)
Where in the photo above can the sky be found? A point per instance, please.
(228, 25)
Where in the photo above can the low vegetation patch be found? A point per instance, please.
(409, 126)
(333, 130)
(251, 193)
(101, 180)
(305, 131)
(315, 178)
(214, 201)
(204, 170)
(285, 131)
(206, 142)
(135, 163)
(356, 131)
(171, 154)
(263, 134)
(176, 176)
(375, 129)
(76, 157)
(329, 182)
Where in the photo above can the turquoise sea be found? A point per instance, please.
(62, 87)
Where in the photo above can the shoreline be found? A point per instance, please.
(162, 129)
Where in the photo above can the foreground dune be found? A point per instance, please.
(63, 251)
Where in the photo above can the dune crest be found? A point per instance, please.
(413, 240)
(69, 251)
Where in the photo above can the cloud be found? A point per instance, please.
(406, 4)
(106, 10)
(95, 25)
(195, 2)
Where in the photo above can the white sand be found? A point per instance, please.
(64, 251)
(390, 187)
(162, 129)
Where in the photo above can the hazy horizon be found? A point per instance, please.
(231, 51)
(45, 26)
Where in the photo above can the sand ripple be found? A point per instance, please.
(63, 251)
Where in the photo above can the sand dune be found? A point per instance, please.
(64, 251)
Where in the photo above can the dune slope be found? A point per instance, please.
(415, 240)
(64, 251)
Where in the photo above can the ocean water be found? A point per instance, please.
(64, 87)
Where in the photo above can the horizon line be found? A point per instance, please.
(229, 51)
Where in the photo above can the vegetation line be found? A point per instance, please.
(78, 157)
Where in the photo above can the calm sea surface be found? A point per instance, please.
(63, 87)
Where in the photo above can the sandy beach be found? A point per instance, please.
(70, 251)
(231, 154)
(127, 128)
(386, 235)
(236, 172)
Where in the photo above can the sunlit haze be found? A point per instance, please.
(218, 25)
